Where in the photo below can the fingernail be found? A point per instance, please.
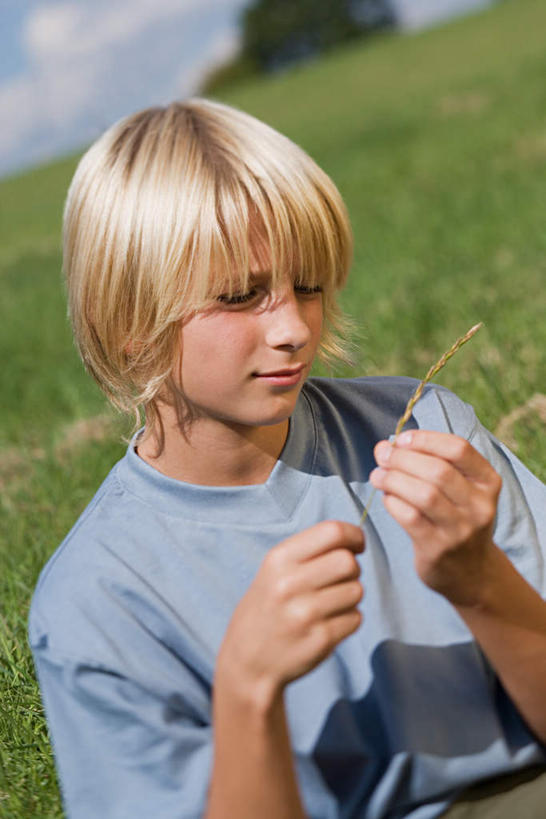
(405, 439)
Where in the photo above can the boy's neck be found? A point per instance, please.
(216, 454)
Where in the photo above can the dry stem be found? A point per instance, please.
(419, 391)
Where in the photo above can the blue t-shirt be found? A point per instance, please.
(129, 614)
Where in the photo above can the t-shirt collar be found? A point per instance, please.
(268, 503)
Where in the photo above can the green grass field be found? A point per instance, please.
(438, 143)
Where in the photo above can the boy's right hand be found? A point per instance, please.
(301, 604)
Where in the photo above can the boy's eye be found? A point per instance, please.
(238, 298)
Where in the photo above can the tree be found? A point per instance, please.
(279, 32)
(276, 33)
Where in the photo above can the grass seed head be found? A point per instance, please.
(404, 418)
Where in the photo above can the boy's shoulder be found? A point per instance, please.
(91, 551)
(377, 402)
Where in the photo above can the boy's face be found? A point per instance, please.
(244, 360)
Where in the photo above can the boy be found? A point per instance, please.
(201, 637)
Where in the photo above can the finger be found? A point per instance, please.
(333, 630)
(416, 524)
(336, 599)
(443, 474)
(324, 537)
(425, 497)
(329, 569)
(452, 448)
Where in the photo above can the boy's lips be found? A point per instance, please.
(284, 371)
(286, 376)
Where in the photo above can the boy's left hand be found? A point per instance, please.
(444, 494)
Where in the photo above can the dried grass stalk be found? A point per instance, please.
(419, 391)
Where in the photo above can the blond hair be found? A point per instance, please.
(160, 219)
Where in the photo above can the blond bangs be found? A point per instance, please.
(166, 211)
(291, 210)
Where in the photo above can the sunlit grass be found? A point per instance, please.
(438, 144)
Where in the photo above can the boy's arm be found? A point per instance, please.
(253, 772)
(444, 494)
(301, 604)
(141, 744)
(509, 622)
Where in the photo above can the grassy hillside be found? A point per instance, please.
(438, 143)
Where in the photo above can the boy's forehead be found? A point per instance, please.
(261, 261)
(257, 263)
(259, 257)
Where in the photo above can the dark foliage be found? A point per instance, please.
(279, 32)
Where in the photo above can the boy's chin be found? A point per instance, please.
(271, 419)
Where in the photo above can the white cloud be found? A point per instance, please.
(416, 14)
(49, 28)
(91, 61)
(63, 29)
(219, 50)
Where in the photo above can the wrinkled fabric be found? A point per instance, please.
(129, 614)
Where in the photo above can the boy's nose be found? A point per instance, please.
(287, 326)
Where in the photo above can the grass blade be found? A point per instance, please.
(406, 415)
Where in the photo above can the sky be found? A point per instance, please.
(70, 68)
(417, 14)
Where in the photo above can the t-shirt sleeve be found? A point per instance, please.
(121, 751)
(520, 526)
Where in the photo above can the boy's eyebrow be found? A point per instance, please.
(254, 278)
(259, 275)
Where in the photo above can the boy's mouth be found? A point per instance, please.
(287, 376)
